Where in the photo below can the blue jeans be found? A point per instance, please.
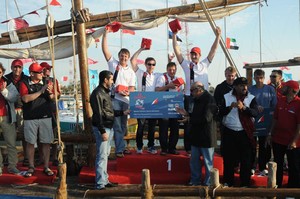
(120, 126)
(103, 150)
(196, 167)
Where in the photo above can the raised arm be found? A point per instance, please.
(176, 48)
(134, 58)
(214, 47)
(105, 49)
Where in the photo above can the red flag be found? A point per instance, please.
(24, 61)
(54, 3)
(34, 12)
(20, 23)
(97, 40)
(139, 61)
(64, 78)
(126, 31)
(90, 61)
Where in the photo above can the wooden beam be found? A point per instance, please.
(36, 32)
(291, 62)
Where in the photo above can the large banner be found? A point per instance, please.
(263, 122)
(155, 104)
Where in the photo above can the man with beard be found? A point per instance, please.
(285, 134)
(238, 110)
(202, 123)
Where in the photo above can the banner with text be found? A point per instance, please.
(155, 104)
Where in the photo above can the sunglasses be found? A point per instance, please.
(193, 89)
(37, 72)
(273, 76)
(149, 64)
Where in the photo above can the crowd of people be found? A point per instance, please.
(27, 104)
(232, 109)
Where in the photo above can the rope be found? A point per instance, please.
(50, 33)
(214, 190)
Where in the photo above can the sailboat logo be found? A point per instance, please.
(155, 101)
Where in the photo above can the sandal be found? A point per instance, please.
(29, 172)
(48, 172)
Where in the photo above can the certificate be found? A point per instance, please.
(263, 122)
(155, 104)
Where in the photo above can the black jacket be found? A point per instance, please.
(203, 122)
(103, 113)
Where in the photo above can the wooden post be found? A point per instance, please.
(215, 183)
(61, 192)
(146, 189)
(272, 169)
(249, 76)
(84, 81)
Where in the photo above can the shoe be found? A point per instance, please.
(139, 151)
(100, 188)
(237, 170)
(264, 172)
(226, 185)
(152, 150)
(174, 152)
(111, 184)
(163, 153)
(25, 162)
(48, 172)
(126, 152)
(252, 172)
(120, 155)
(0, 171)
(29, 172)
(13, 170)
(192, 184)
(188, 154)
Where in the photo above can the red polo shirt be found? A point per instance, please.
(288, 118)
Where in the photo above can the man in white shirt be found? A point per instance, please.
(123, 76)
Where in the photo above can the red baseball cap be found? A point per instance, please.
(35, 67)
(17, 62)
(46, 65)
(196, 50)
(292, 84)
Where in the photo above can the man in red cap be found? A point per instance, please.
(194, 70)
(285, 134)
(37, 97)
(50, 80)
(16, 76)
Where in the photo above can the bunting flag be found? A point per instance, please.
(126, 31)
(90, 61)
(24, 61)
(231, 43)
(89, 30)
(171, 35)
(54, 3)
(64, 78)
(20, 23)
(94, 79)
(284, 68)
(29, 13)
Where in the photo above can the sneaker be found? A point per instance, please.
(174, 152)
(226, 185)
(120, 155)
(139, 151)
(152, 150)
(111, 184)
(264, 172)
(126, 152)
(13, 170)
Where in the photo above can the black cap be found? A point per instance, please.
(240, 80)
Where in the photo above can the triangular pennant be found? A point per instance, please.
(54, 3)
(20, 23)
(90, 61)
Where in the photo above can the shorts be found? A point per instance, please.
(38, 127)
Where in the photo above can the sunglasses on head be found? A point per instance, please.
(149, 64)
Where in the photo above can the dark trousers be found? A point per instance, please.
(236, 147)
(168, 143)
(187, 138)
(293, 157)
(264, 153)
(140, 132)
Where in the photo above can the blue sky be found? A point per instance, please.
(280, 34)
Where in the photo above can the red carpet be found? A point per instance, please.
(38, 176)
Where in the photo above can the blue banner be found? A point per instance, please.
(263, 122)
(155, 104)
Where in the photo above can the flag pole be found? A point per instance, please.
(213, 26)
